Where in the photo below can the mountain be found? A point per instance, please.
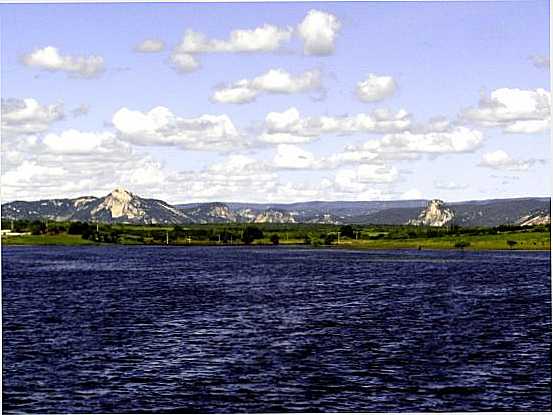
(434, 214)
(492, 212)
(122, 206)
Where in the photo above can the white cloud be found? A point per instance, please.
(75, 163)
(540, 61)
(77, 142)
(266, 38)
(319, 31)
(161, 127)
(29, 173)
(288, 125)
(375, 88)
(275, 81)
(514, 110)
(150, 46)
(184, 62)
(49, 58)
(28, 116)
(501, 160)
(457, 140)
(356, 180)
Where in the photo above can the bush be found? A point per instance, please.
(78, 228)
(275, 239)
(347, 231)
(250, 234)
(37, 228)
(330, 238)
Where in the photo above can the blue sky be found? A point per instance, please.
(481, 68)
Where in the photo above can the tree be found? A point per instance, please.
(78, 228)
(38, 227)
(250, 234)
(347, 231)
(511, 243)
(330, 238)
(275, 239)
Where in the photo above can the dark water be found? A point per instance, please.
(168, 329)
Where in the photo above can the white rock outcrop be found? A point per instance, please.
(434, 214)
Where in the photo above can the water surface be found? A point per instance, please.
(237, 329)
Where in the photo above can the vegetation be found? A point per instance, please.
(346, 236)
(462, 245)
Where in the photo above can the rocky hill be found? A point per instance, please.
(494, 212)
(434, 214)
(122, 206)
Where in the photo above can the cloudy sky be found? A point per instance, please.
(277, 101)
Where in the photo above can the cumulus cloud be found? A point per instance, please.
(77, 142)
(501, 160)
(32, 174)
(540, 61)
(266, 38)
(319, 31)
(75, 163)
(405, 146)
(290, 127)
(150, 46)
(457, 140)
(513, 110)
(375, 88)
(184, 62)
(50, 59)
(275, 81)
(160, 127)
(28, 116)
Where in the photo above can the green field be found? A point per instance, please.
(316, 235)
(60, 239)
(524, 241)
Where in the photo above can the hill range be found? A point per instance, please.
(122, 206)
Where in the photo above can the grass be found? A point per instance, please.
(61, 239)
(525, 241)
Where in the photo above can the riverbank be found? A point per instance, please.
(538, 241)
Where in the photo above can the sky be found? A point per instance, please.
(276, 102)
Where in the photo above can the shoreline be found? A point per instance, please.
(295, 246)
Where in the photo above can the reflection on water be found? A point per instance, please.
(230, 329)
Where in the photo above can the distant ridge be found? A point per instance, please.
(122, 206)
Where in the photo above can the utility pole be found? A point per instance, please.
(12, 226)
(219, 239)
(166, 237)
(338, 237)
